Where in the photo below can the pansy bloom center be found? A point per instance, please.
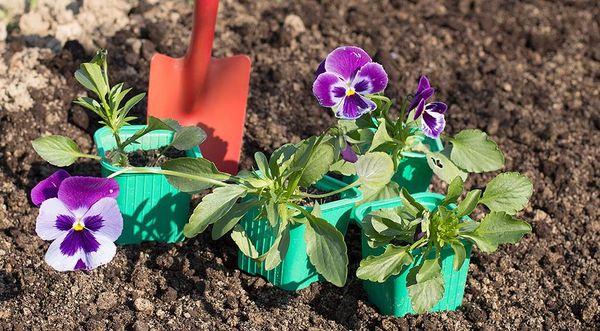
(350, 92)
(78, 225)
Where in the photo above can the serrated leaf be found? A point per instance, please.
(374, 171)
(468, 204)
(473, 151)
(57, 150)
(426, 287)
(231, 218)
(497, 228)
(188, 137)
(454, 191)
(318, 164)
(460, 254)
(196, 172)
(444, 168)
(390, 263)
(243, 242)
(212, 208)
(326, 250)
(508, 192)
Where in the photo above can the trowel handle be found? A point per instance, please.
(203, 32)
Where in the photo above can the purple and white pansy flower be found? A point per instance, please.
(345, 79)
(432, 114)
(81, 216)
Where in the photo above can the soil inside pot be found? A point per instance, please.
(153, 157)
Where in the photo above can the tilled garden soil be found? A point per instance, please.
(527, 72)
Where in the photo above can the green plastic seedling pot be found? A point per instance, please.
(413, 172)
(391, 296)
(152, 209)
(295, 271)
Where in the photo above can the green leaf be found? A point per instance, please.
(318, 164)
(281, 159)
(188, 137)
(153, 124)
(379, 268)
(85, 80)
(130, 103)
(460, 254)
(468, 204)
(426, 287)
(212, 208)
(263, 164)
(196, 170)
(444, 168)
(277, 252)
(272, 213)
(343, 167)
(454, 191)
(374, 171)
(508, 192)
(409, 203)
(473, 151)
(381, 137)
(497, 228)
(92, 105)
(326, 250)
(231, 218)
(93, 74)
(57, 150)
(243, 242)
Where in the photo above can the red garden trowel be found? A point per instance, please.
(201, 90)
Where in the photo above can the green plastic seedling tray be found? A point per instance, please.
(413, 172)
(391, 296)
(295, 271)
(152, 209)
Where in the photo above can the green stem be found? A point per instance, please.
(140, 170)
(89, 156)
(328, 194)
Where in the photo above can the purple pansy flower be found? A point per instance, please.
(81, 216)
(432, 113)
(345, 78)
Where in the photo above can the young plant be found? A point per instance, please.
(109, 105)
(279, 190)
(352, 85)
(414, 236)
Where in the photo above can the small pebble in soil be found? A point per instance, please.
(143, 305)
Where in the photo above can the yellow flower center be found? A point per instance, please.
(350, 92)
(78, 226)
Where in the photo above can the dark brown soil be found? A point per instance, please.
(527, 72)
(154, 157)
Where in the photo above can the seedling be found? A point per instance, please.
(414, 235)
